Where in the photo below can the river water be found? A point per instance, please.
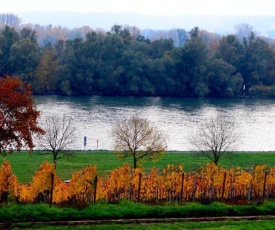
(178, 117)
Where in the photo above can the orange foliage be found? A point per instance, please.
(81, 185)
(41, 184)
(18, 115)
(210, 183)
(8, 182)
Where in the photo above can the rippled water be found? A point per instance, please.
(177, 117)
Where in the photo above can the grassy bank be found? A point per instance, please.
(24, 164)
(128, 210)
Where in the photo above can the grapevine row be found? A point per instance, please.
(172, 184)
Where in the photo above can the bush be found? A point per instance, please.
(271, 92)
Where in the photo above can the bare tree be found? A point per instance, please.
(139, 139)
(134, 31)
(215, 137)
(10, 19)
(59, 136)
(245, 31)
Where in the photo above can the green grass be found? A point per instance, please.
(232, 225)
(248, 225)
(24, 165)
(128, 210)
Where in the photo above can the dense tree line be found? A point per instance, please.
(123, 62)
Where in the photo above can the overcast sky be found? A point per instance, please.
(148, 7)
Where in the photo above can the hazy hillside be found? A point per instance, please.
(265, 25)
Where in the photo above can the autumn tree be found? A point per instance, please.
(45, 79)
(138, 138)
(18, 116)
(60, 134)
(215, 138)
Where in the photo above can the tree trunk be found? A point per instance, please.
(54, 160)
(52, 188)
(135, 163)
(216, 159)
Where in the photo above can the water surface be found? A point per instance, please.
(178, 117)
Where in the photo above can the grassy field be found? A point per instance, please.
(232, 225)
(24, 164)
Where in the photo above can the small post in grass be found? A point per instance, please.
(181, 189)
(265, 177)
(51, 197)
(157, 192)
(223, 186)
(85, 142)
(95, 187)
(139, 186)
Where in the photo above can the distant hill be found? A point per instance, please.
(221, 24)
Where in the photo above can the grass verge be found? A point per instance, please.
(232, 225)
(127, 210)
(24, 164)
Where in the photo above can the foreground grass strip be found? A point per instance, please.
(128, 210)
(172, 224)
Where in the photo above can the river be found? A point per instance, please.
(179, 118)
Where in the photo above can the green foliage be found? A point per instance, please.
(123, 62)
(271, 92)
(260, 91)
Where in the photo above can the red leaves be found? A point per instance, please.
(18, 115)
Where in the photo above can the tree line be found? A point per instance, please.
(122, 62)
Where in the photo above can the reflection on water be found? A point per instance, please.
(177, 117)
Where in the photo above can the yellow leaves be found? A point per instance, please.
(83, 180)
(8, 182)
(209, 183)
(42, 179)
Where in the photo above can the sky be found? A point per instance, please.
(145, 7)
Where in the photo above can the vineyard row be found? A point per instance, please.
(172, 184)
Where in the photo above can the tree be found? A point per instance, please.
(18, 116)
(10, 19)
(45, 79)
(59, 135)
(230, 49)
(215, 137)
(8, 37)
(224, 81)
(193, 64)
(24, 57)
(243, 31)
(137, 138)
